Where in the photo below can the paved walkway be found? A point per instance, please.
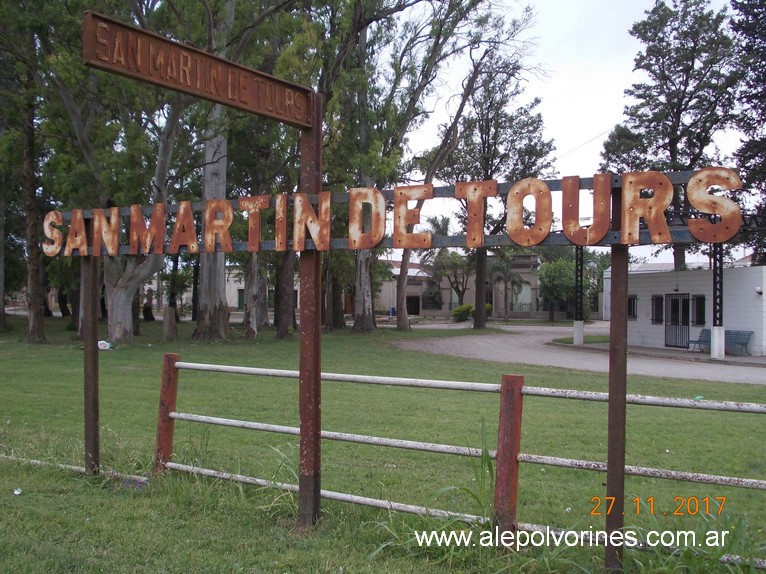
(532, 345)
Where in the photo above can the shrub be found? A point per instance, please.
(462, 312)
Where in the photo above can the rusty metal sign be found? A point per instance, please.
(645, 198)
(110, 45)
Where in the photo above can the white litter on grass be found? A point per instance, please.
(105, 345)
(17, 491)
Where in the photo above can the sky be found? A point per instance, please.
(586, 51)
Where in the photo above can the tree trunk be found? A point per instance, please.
(679, 257)
(262, 304)
(195, 289)
(169, 324)
(363, 313)
(121, 285)
(2, 252)
(75, 296)
(172, 290)
(63, 301)
(480, 310)
(327, 298)
(284, 310)
(136, 313)
(460, 295)
(338, 312)
(121, 316)
(213, 311)
(252, 296)
(505, 300)
(140, 269)
(402, 317)
(33, 228)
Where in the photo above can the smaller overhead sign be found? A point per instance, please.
(110, 45)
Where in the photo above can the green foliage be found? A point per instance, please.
(685, 97)
(751, 119)
(556, 281)
(689, 61)
(454, 267)
(462, 312)
(487, 310)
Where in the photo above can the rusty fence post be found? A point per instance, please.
(310, 378)
(89, 274)
(618, 372)
(508, 448)
(163, 449)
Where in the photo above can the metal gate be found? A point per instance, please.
(677, 320)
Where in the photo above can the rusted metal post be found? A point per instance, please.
(578, 337)
(89, 275)
(579, 291)
(718, 332)
(310, 381)
(163, 449)
(618, 373)
(508, 448)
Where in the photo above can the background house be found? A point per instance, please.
(427, 298)
(669, 308)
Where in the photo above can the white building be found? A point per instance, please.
(670, 308)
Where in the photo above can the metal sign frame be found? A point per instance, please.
(118, 48)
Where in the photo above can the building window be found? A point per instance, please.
(632, 307)
(698, 310)
(658, 309)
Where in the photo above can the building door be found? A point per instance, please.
(677, 320)
(413, 304)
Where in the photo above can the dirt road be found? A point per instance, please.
(531, 345)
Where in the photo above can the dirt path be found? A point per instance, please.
(531, 346)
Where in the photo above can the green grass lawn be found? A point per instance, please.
(63, 522)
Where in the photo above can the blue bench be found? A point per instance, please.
(734, 340)
(703, 339)
(738, 340)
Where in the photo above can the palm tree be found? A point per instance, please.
(438, 225)
(501, 271)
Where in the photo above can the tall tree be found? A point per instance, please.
(498, 140)
(556, 283)
(471, 32)
(225, 41)
(689, 61)
(501, 270)
(456, 269)
(213, 310)
(21, 63)
(751, 156)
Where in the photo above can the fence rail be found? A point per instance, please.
(507, 456)
(168, 414)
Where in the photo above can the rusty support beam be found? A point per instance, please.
(579, 288)
(508, 447)
(89, 274)
(717, 250)
(163, 449)
(310, 390)
(618, 373)
(310, 367)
